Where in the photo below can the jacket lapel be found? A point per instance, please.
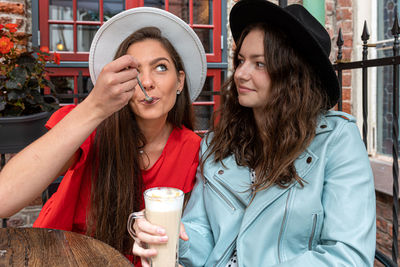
(236, 179)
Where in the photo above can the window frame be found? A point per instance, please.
(74, 55)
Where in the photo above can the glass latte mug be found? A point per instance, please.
(163, 207)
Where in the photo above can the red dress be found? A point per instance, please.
(66, 209)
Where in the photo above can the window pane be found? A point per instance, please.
(64, 86)
(384, 80)
(85, 84)
(203, 113)
(85, 35)
(61, 37)
(112, 7)
(88, 10)
(206, 92)
(384, 89)
(60, 10)
(205, 36)
(203, 117)
(202, 12)
(180, 8)
(155, 3)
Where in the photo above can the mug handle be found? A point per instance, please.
(131, 219)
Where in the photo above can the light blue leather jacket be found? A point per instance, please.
(328, 222)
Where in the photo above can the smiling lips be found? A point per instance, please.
(243, 89)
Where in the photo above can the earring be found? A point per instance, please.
(178, 92)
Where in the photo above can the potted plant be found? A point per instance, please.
(23, 107)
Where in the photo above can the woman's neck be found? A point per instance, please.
(156, 133)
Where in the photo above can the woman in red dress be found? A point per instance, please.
(116, 143)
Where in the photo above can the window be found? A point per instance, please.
(384, 82)
(68, 27)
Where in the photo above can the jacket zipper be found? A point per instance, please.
(312, 231)
(216, 190)
(282, 225)
(226, 253)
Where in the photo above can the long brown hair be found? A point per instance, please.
(295, 101)
(117, 182)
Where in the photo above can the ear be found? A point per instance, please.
(181, 80)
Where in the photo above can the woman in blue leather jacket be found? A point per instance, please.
(283, 181)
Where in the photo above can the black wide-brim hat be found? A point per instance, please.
(307, 35)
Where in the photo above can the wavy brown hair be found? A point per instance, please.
(295, 100)
(117, 182)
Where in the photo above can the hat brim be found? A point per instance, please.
(182, 37)
(245, 13)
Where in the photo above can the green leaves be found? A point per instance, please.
(17, 79)
(21, 89)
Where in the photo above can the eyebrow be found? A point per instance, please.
(158, 59)
(252, 56)
(154, 61)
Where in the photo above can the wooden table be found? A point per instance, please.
(45, 247)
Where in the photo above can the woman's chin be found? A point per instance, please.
(246, 102)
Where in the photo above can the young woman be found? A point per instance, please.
(283, 181)
(115, 144)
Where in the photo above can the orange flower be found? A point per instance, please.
(56, 58)
(1, 26)
(11, 26)
(44, 49)
(5, 45)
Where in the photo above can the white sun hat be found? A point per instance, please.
(182, 37)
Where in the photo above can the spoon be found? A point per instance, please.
(146, 96)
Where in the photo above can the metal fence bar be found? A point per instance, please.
(385, 260)
(379, 62)
(395, 140)
(365, 38)
(340, 43)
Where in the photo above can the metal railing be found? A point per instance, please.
(364, 64)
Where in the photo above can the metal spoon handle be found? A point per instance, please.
(147, 97)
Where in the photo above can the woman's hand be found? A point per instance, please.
(147, 233)
(114, 86)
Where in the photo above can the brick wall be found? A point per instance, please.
(17, 11)
(339, 14)
(384, 226)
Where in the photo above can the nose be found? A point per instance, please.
(242, 72)
(146, 79)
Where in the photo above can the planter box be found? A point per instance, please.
(18, 132)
